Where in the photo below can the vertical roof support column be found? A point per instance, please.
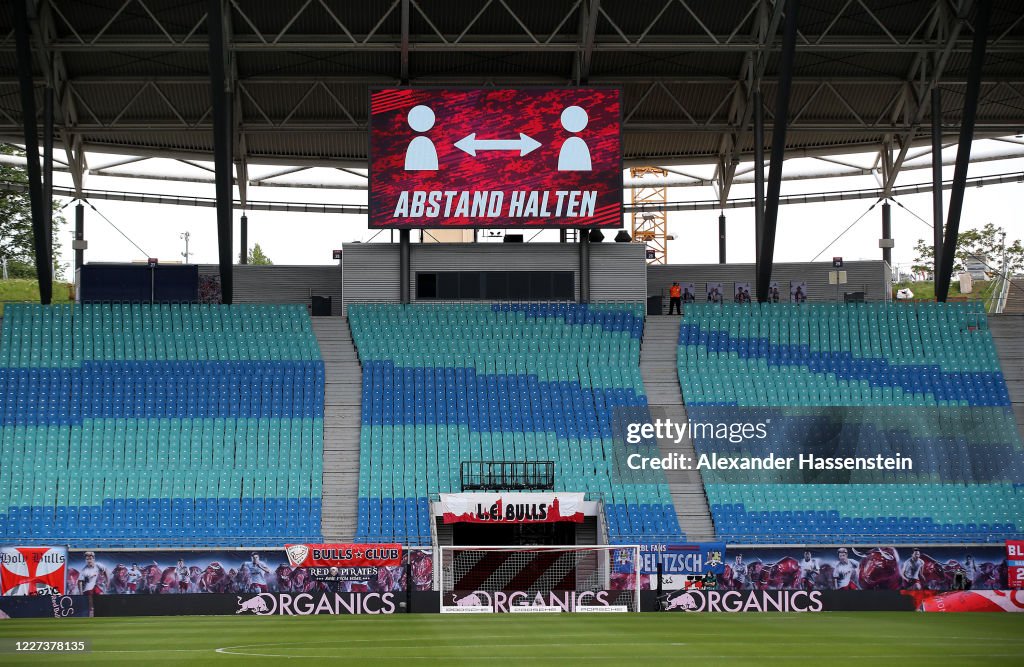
(40, 237)
(963, 151)
(937, 179)
(766, 253)
(404, 270)
(223, 129)
(758, 186)
(721, 238)
(584, 265)
(48, 172)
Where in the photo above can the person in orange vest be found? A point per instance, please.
(675, 299)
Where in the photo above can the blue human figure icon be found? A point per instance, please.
(421, 155)
(574, 154)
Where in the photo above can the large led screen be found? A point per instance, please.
(514, 158)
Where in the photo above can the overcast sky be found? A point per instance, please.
(308, 238)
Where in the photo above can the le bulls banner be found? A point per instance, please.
(495, 158)
(511, 507)
(1015, 563)
(33, 570)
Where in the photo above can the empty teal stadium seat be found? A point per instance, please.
(887, 360)
(449, 383)
(137, 425)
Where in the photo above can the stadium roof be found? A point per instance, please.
(132, 76)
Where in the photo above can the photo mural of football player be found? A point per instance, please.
(741, 293)
(798, 291)
(865, 568)
(261, 571)
(714, 293)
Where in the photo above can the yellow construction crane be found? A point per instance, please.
(650, 221)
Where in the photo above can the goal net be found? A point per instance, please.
(531, 579)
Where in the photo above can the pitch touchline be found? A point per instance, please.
(510, 658)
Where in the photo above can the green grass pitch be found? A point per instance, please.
(558, 639)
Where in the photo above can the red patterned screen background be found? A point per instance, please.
(437, 181)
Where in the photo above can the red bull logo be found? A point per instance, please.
(504, 601)
(742, 601)
(310, 604)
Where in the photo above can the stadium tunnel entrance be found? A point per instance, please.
(552, 534)
(562, 533)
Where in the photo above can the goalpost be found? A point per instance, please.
(529, 579)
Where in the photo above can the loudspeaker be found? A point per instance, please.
(596, 236)
(513, 238)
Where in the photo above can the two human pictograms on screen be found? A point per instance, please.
(421, 154)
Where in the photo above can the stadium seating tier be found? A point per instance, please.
(148, 425)
(448, 383)
(923, 378)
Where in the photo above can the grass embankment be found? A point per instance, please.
(23, 290)
(925, 290)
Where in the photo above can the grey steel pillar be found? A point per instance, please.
(79, 235)
(404, 250)
(886, 232)
(584, 266)
(243, 233)
(721, 238)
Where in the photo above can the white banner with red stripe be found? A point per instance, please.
(511, 507)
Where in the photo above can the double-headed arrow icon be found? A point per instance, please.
(524, 144)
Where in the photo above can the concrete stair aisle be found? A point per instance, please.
(342, 418)
(1008, 335)
(661, 380)
(1015, 297)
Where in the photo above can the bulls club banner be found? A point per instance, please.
(33, 570)
(511, 507)
(344, 562)
(344, 555)
(1015, 563)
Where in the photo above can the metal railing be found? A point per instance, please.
(865, 538)
(507, 475)
(1001, 291)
